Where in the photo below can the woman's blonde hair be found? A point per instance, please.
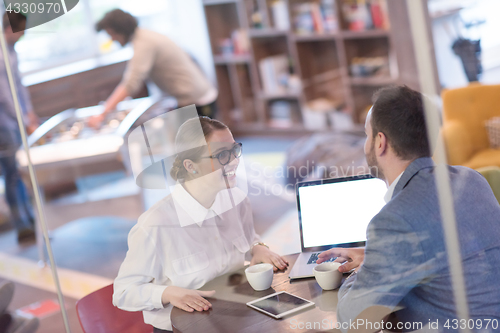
(189, 135)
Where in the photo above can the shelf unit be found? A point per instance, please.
(321, 61)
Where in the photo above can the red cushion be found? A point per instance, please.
(97, 314)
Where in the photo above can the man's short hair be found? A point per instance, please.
(119, 21)
(16, 21)
(398, 112)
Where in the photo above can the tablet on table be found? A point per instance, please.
(279, 304)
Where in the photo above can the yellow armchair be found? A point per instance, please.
(464, 112)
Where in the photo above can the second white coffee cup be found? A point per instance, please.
(327, 275)
(260, 276)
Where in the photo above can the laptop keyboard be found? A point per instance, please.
(314, 257)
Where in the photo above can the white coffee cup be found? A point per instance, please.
(260, 276)
(327, 275)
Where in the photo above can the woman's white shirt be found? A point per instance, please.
(178, 242)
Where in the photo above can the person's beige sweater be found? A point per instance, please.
(158, 58)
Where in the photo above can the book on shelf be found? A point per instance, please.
(237, 44)
(329, 13)
(378, 10)
(241, 43)
(282, 114)
(279, 11)
(274, 74)
(365, 14)
(316, 17)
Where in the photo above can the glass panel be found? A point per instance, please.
(146, 192)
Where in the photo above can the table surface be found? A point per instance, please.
(230, 313)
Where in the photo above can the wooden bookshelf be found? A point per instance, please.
(364, 34)
(372, 81)
(315, 37)
(289, 96)
(218, 2)
(231, 59)
(267, 33)
(322, 60)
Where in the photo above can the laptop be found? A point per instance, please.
(334, 213)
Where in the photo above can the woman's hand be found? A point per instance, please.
(350, 257)
(261, 254)
(187, 299)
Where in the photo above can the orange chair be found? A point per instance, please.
(465, 111)
(97, 314)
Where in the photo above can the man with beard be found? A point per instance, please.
(403, 270)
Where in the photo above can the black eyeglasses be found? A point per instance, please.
(224, 156)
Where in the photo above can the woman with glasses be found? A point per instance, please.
(202, 230)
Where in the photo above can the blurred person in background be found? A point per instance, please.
(158, 58)
(10, 139)
(202, 230)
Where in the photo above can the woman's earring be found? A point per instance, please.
(194, 171)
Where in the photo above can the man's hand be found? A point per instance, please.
(262, 254)
(350, 257)
(34, 122)
(187, 299)
(96, 121)
(118, 95)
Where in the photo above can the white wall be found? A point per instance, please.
(189, 30)
(450, 68)
(448, 28)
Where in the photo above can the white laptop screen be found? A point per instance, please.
(339, 212)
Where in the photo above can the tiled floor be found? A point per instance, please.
(25, 294)
(88, 251)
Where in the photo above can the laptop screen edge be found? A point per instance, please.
(298, 185)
